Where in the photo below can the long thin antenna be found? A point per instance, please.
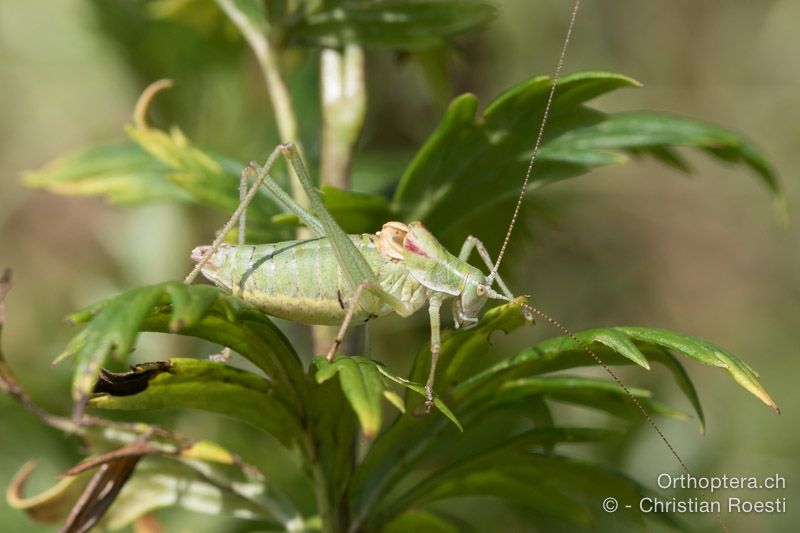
(538, 143)
(597, 359)
(552, 321)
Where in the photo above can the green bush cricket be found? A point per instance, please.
(337, 278)
(334, 278)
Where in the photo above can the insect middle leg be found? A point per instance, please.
(434, 306)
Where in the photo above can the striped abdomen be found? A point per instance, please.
(303, 282)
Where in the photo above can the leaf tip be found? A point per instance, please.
(767, 399)
(16, 488)
(764, 396)
(146, 98)
(781, 209)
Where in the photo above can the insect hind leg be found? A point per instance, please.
(348, 317)
(237, 215)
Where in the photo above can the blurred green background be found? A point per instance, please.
(628, 245)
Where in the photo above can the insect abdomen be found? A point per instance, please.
(296, 280)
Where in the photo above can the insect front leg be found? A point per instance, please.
(434, 305)
(466, 249)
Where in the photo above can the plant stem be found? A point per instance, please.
(343, 98)
(257, 38)
(328, 523)
(344, 104)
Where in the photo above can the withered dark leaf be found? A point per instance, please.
(131, 382)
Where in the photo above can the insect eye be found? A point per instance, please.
(481, 290)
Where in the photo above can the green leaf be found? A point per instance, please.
(333, 428)
(463, 352)
(363, 386)
(707, 353)
(474, 162)
(121, 172)
(477, 162)
(355, 212)
(420, 390)
(210, 179)
(217, 388)
(548, 487)
(649, 132)
(421, 521)
(596, 394)
(406, 439)
(403, 24)
(488, 431)
(219, 483)
(112, 331)
(562, 352)
(364, 383)
(198, 310)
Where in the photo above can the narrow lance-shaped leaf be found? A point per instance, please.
(562, 352)
(403, 24)
(365, 385)
(595, 394)
(474, 162)
(477, 162)
(210, 179)
(407, 439)
(362, 385)
(122, 172)
(420, 390)
(545, 486)
(213, 387)
(653, 132)
(649, 129)
(199, 310)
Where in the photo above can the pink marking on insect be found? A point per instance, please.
(413, 248)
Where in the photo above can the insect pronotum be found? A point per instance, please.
(400, 269)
